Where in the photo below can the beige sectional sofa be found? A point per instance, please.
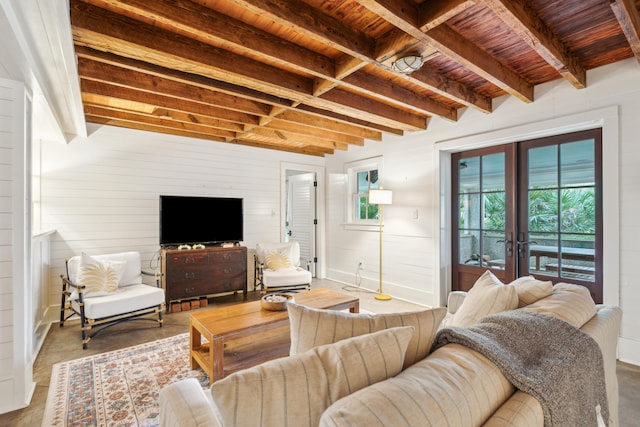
(381, 370)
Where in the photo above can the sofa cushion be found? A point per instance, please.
(571, 303)
(530, 289)
(296, 390)
(454, 386)
(312, 327)
(487, 296)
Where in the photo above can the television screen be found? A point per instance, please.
(206, 220)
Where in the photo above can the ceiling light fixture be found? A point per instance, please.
(408, 64)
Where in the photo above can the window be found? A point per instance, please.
(363, 176)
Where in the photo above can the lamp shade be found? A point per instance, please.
(380, 197)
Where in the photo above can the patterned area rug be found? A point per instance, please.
(118, 388)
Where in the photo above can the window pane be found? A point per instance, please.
(360, 206)
(578, 257)
(543, 210)
(578, 213)
(543, 253)
(362, 182)
(469, 211)
(494, 211)
(469, 247)
(578, 163)
(469, 175)
(493, 249)
(372, 212)
(493, 178)
(543, 167)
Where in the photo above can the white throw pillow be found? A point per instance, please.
(530, 289)
(99, 278)
(277, 260)
(296, 390)
(311, 327)
(487, 296)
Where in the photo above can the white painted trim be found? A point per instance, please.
(607, 118)
(321, 248)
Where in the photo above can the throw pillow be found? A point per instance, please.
(311, 327)
(296, 390)
(530, 289)
(98, 278)
(569, 302)
(278, 261)
(487, 296)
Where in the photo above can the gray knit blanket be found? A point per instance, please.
(544, 356)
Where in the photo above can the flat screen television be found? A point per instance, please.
(205, 220)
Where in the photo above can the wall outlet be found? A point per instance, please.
(360, 265)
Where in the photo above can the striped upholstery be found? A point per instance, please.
(454, 386)
(295, 390)
(530, 289)
(183, 404)
(521, 410)
(313, 327)
(605, 328)
(487, 296)
(571, 303)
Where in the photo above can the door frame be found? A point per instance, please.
(320, 241)
(606, 118)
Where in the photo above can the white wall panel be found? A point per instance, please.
(101, 194)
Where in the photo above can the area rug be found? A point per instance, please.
(118, 388)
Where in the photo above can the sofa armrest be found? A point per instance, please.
(455, 300)
(185, 404)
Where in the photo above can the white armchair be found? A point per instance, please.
(106, 290)
(278, 268)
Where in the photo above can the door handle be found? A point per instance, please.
(522, 245)
(508, 242)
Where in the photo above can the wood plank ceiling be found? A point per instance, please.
(315, 76)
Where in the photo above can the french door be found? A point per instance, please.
(530, 208)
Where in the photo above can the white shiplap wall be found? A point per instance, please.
(101, 194)
(16, 361)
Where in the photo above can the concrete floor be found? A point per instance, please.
(63, 344)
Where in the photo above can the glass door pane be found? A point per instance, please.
(559, 236)
(481, 196)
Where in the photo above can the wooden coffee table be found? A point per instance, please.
(244, 335)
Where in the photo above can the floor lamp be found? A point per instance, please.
(380, 197)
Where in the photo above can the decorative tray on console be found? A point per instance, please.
(275, 302)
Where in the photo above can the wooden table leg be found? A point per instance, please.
(355, 308)
(194, 345)
(216, 358)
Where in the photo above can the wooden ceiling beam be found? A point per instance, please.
(118, 92)
(296, 128)
(280, 135)
(107, 73)
(114, 104)
(629, 19)
(435, 12)
(453, 45)
(139, 41)
(319, 112)
(124, 116)
(274, 103)
(519, 16)
(277, 145)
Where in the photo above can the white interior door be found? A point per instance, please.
(301, 215)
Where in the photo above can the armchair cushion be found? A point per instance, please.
(131, 274)
(99, 278)
(296, 390)
(124, 300)
(290, 249)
